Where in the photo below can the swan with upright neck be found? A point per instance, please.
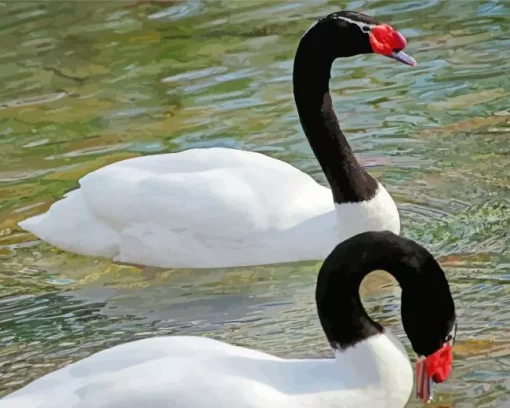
(370, 367)
(220, 207)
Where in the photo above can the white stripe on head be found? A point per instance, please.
(360, 24)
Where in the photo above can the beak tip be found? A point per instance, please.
(411, 62)
(402, 57)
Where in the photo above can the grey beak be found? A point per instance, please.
(402, 57)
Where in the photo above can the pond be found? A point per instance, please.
(91, 83)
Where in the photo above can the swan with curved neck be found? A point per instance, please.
(338, 35)
(370, 367)
(217, 207)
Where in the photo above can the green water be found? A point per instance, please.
(83, 84)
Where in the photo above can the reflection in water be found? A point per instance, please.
(96, 83)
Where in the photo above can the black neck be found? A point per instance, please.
(427, 308)
(312, 67)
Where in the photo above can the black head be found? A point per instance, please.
(427, 307)
(348, 33)
(345, 34)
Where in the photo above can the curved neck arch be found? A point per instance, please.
(312, 69)
(427, 307)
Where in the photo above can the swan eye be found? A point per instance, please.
(365, 29)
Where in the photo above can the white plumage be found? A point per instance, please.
(195, 372)
(212, 207)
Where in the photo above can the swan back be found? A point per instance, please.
(198, 372)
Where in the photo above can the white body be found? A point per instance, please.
(205, 208)
(195, 372)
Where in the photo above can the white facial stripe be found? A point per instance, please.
(452, 334)
(360, 24)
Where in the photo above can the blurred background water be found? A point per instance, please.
(84, 84)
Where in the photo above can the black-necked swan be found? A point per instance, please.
(220, 207)
(370, 368)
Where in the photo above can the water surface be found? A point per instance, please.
(90, 83)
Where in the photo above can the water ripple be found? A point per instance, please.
(82, 90)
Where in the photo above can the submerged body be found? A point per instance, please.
(213, 207)
(184, 372)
